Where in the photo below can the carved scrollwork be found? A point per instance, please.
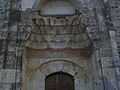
(23, 34)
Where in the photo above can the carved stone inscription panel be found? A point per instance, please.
(58, 32)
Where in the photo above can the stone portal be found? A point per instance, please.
(57, 44)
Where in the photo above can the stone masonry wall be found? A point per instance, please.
(102, 58)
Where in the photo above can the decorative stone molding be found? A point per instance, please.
(58, 32)
(38, 74)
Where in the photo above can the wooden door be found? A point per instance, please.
(59, 81)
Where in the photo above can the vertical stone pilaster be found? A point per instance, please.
(115, 58)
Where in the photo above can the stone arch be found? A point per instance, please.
(48, 68)
(60, 72)
(75, 3)
(60, 65)
(37, 82)
(82, 22)
(59, 80)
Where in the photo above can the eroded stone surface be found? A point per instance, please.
(98, 63)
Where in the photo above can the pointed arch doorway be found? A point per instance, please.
(59, 81)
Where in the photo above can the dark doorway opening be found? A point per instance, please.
(59, 81)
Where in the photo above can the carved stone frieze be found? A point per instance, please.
(58, 32)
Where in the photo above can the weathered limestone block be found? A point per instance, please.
(5, 86)
(9, 76)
